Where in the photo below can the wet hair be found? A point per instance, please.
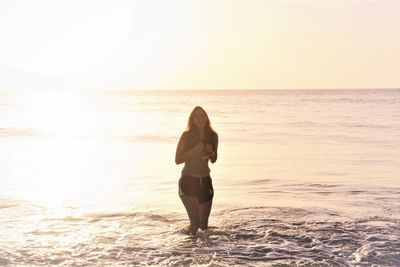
(193, 135)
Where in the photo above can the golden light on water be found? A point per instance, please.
(82, 150)
(90, 148)
(53, 155)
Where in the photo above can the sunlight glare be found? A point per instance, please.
(56, 153)
(63, 37)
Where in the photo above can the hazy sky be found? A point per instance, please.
(199, 44)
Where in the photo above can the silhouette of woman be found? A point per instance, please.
(197, 145)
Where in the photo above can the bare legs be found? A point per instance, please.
(198, 213)
(192, 206)
(204, 213)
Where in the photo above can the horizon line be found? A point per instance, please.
(199, 90)
(257, 89)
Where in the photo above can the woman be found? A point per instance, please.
(197, 145)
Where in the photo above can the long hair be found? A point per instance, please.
(191, 129)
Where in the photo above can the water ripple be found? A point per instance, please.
(252, 236)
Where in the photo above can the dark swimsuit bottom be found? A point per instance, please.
(200, 188)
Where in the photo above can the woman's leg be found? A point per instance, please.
(192, 208)
(204, 213)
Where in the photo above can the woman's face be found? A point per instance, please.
(199, 118)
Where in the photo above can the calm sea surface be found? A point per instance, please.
(304, 177)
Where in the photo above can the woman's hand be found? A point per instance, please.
(212, 154)
(209, 149)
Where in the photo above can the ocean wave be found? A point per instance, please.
(251, 236)
(16, 132)
(150, 138)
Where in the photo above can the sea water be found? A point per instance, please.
(303, 177)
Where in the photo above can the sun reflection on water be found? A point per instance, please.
(75, 158)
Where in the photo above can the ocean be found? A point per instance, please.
(303, 178)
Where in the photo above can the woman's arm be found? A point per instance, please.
(181, 155)
(180, 150)
(214, 155)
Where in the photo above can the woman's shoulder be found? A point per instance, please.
(184, 134)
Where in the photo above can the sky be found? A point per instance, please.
(194, 45)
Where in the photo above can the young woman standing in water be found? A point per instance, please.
(197, 145)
